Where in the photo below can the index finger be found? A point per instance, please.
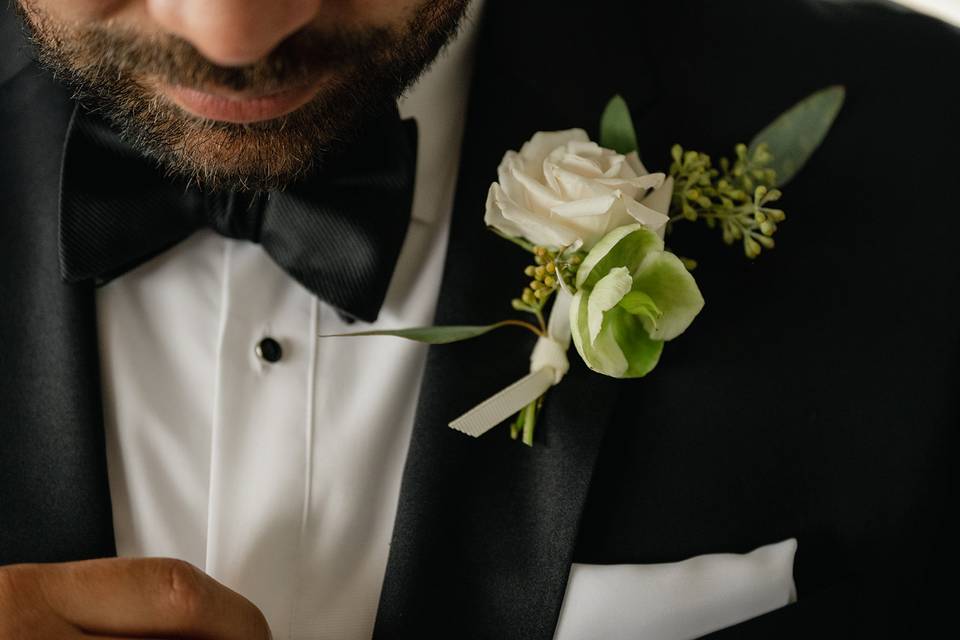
(156, 597)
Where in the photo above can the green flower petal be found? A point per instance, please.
(663, 277)
(640, 350)
(608, 360)
(622, 349)
(607, 294)
(625, 246)
(639, 304)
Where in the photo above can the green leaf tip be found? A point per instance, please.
(435, 335)
(795, 134)
(616, 127)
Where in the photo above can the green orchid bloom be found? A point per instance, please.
(632, 296)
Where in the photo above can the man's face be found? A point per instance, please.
(239, 93)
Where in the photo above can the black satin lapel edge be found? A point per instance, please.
(486, 528)
(55, 411)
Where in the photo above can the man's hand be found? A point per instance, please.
(122, 598)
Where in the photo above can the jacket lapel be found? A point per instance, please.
(485, 529)
(54, 496)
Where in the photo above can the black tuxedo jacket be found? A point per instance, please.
(815, 396)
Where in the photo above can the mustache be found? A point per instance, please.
(299, 58)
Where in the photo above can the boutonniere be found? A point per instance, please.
(594, 221)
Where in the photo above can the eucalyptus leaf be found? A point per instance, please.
(795, 135)
(434, 335)
(616, 127)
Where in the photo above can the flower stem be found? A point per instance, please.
(543, 324)
(529, 422)
(517, 426)
(525, 325)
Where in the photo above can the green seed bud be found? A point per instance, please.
(768, 228)
(518, 305)
(529, 271)
(539, 273)
(550, 282)
(536, 285)
(529, 297)
(767, 242)
(551, 267)
(751, 247)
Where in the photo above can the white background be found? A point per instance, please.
(945, 9)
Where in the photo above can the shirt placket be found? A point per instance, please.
(262, 424)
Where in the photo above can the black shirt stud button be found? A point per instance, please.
(269, 350)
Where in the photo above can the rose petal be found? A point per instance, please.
(493, 217)
(586, 149)
(537, 229)
(633, 159)
(595, 206)
(650, 218)
(616, 167)
(571, 186)
(659, 198)
(543, 142)
(537, 196)
(509, 168)
(635, 185)
(586, 167)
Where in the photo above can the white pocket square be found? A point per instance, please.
(676, 600)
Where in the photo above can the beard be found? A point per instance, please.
(114, 73)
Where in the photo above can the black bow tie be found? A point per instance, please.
(337, 232)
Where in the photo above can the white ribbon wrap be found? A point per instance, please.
(548, 365)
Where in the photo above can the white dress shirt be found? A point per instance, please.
(281, 479)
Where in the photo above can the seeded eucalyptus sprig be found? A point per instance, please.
(550, 271)
(735, 196)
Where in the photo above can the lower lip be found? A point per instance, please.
(222, 108)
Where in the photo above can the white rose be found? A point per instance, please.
(562, 188)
